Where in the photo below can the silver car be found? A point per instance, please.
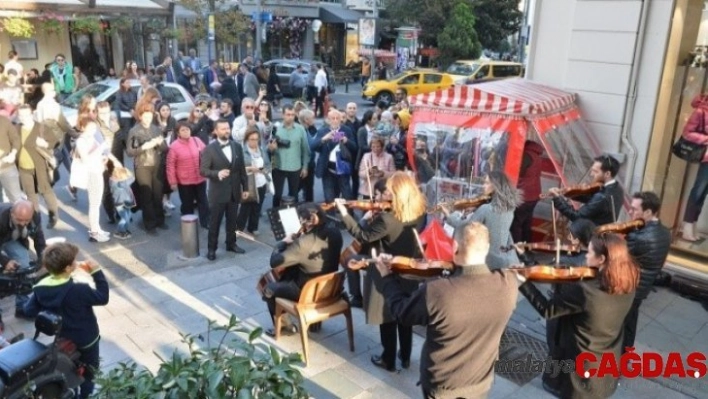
(284, 68)
(181, 102)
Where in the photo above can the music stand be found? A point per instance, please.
(276, 223)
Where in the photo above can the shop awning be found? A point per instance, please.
(334, 13)
(508, 96)
(378, 53)
(151, 7)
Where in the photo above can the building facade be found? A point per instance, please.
(636, 66)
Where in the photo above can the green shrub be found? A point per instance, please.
(235, 367)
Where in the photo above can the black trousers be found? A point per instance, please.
(250, 212)
(307, 185)
(319, 103)
(281, 289)
(194, 196)
(90, 357)
(354, 284)
(390, 332)
(150, 193)
(630, 324)
(119, 141)
(108, 204)
(279, 178)
(218, 211)
(522, 224)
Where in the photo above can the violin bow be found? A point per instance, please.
(555, 233)
(251, 238)
(420, 244)
(368, 179)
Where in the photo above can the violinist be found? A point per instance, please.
(393, 232)
(462, 340)
(590, 315)
(314, 253)
(353, 276)
(497, 215)
(604, 206)
(649, 246)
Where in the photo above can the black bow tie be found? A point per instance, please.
(228, 144)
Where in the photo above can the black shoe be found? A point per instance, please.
(355, 301)
(163, 227)
(151, 232)
(548, 387)
(53, 219)
(211, 255)
(406, 364)
(20, 314)
(236, 249)
(315, 328)
(378, 362)
(284, 330)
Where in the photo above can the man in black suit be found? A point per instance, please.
(222, 163)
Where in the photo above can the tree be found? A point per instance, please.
(229, 21)
(458, 39)
(496, 19)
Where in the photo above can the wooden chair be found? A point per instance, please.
(320, 299)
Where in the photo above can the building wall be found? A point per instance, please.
(47, 47)
(588, 47)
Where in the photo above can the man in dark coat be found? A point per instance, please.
(222, 163)
(329, 141)
(649, 247)
(604, 206)
(229, 90)
(461, 342)
(18, 223)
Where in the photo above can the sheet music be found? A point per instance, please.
(290, 221)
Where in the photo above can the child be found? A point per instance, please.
(74, 302)
(124, 199)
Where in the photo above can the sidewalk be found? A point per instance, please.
(155, 296)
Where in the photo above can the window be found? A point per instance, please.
(430, 78)
(410, 79)
(171, 95)
(284, 69)
(503, 71)
(462, 68)
(482, 73)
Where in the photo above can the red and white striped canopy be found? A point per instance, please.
(508, 96)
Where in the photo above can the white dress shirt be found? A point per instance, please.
(321, 80)
(226, 150)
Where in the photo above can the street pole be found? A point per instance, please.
(375, 13)
(259, 34)
(523, 37)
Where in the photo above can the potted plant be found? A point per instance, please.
(235, 365)
(51, 24)
(86, 25)
(18, 27)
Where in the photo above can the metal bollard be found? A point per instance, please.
(190, 236)
(288, 201)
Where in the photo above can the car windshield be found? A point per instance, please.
(95, 90)
(462, 68)
(400, 75)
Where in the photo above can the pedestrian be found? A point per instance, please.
(123, 199)
(222, 163)
(74, 302)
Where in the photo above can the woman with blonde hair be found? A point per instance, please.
(590, 316)
(392, 232)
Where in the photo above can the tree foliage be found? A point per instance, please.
(229, 21)
(495, 19)
(458, 39)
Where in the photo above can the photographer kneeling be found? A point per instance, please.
(18, 223)
(289, 152)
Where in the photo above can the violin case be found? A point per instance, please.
(690, 287)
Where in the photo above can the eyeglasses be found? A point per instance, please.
(197, 111)
(266, 104)
(249, 106)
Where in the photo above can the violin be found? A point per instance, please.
(577, 191)
(353, 249)
(621, 227)
(556, 274)
(546, 246)
(463, 204)
(410, 266)
(361, 205)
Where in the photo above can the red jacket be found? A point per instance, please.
(530, 178)
(183, 162)
(696, 128)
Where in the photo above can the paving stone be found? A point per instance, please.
(680, 316)
(336, 384)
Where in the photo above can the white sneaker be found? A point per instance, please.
(168, 205)
(98, 237)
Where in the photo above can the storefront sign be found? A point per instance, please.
(367, 32)
(365, 5)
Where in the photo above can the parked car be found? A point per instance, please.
(284, 68)
(414, 81)
(476, 71)
(181, 102)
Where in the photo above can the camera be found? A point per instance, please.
(281, 142)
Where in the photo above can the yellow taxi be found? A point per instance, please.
(475, 71)
(414, 81)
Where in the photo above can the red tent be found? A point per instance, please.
(473, 129)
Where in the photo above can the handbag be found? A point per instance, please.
(344, 168)
(252, 189)
(689, 151)
(79, 174)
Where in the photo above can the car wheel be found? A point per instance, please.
(385, 96)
